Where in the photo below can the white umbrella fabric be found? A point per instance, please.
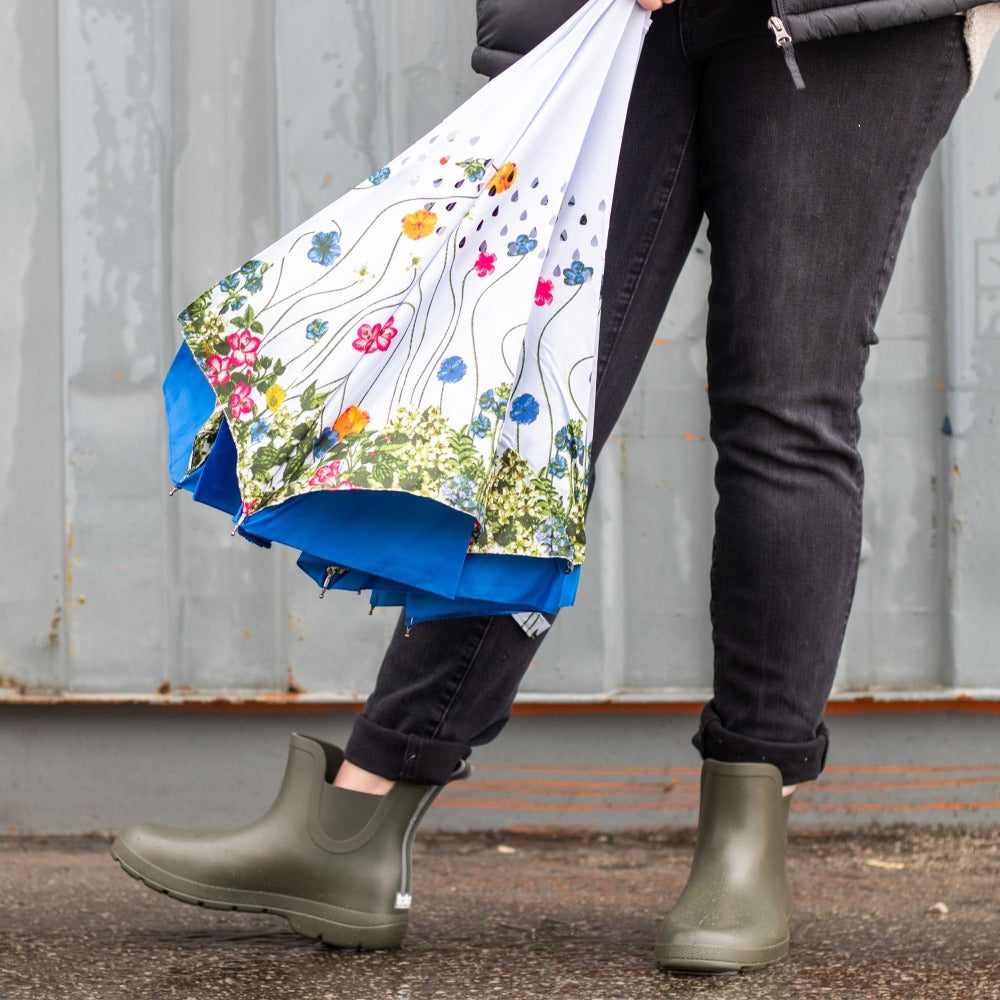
(400, 388)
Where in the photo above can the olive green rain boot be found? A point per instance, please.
(733, 912)
(335, 863)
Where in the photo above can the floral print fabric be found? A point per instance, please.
(434, 331)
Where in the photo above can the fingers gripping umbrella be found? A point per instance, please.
(400, 388)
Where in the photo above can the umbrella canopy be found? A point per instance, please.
(401, 387)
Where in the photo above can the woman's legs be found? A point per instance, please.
(807, 194)
(449, 686)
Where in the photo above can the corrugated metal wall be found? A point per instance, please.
(149, 145)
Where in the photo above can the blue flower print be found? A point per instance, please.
(379, 176)
(327, 439)
(568, 441)
(522, 245)
(577, 274)
(325, 248)
(250, 266)
(316, 329)
(253, 284)
(551, 534)
(474, 170)
(259, 428)
(452, 369)
(460, 492)
(480, 426)
(524, 409)
(558, 467)
(487, 400)
(230, 283)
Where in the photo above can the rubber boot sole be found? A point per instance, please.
(337, 926)
(708, 961)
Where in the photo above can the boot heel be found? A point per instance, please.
(344, 936)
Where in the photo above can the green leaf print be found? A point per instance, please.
(310, 398)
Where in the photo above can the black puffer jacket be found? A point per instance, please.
(509, 28)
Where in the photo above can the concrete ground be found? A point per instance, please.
(900, 912)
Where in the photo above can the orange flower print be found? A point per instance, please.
(503, 179)
(351, 421)
(419, 224)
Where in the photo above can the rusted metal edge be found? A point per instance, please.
(687, 701)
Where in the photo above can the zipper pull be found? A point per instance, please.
(784, 42)
(330, 571)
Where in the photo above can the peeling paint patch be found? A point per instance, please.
(12, 684)
(292, 687)
(54, 627)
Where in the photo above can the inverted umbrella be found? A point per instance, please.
(401, 387)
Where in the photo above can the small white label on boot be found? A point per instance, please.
(403, 900)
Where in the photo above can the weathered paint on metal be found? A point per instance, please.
(149, 147)
(218, 767)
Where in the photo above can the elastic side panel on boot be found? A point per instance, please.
(403, 897)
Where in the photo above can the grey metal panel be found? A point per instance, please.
(32, 527)
(149, 147)
(225, 627)
(114, 120)
(198, 770)
(896, 635)
(974, 385)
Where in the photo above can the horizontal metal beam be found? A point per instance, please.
(979, 700)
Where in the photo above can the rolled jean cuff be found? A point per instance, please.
(402, 756)
(797, 761)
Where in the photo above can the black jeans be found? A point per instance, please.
(807, 194)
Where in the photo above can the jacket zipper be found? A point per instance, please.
(783, 40)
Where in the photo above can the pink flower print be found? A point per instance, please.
(243, 348)
(248, 505)
(485, 264)
(327, 476)
(218, 369)
(543, 293)
(375, 338)
(345, 485)
(239, 401)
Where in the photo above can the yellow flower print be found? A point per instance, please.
(274, 397)
(419, 224)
